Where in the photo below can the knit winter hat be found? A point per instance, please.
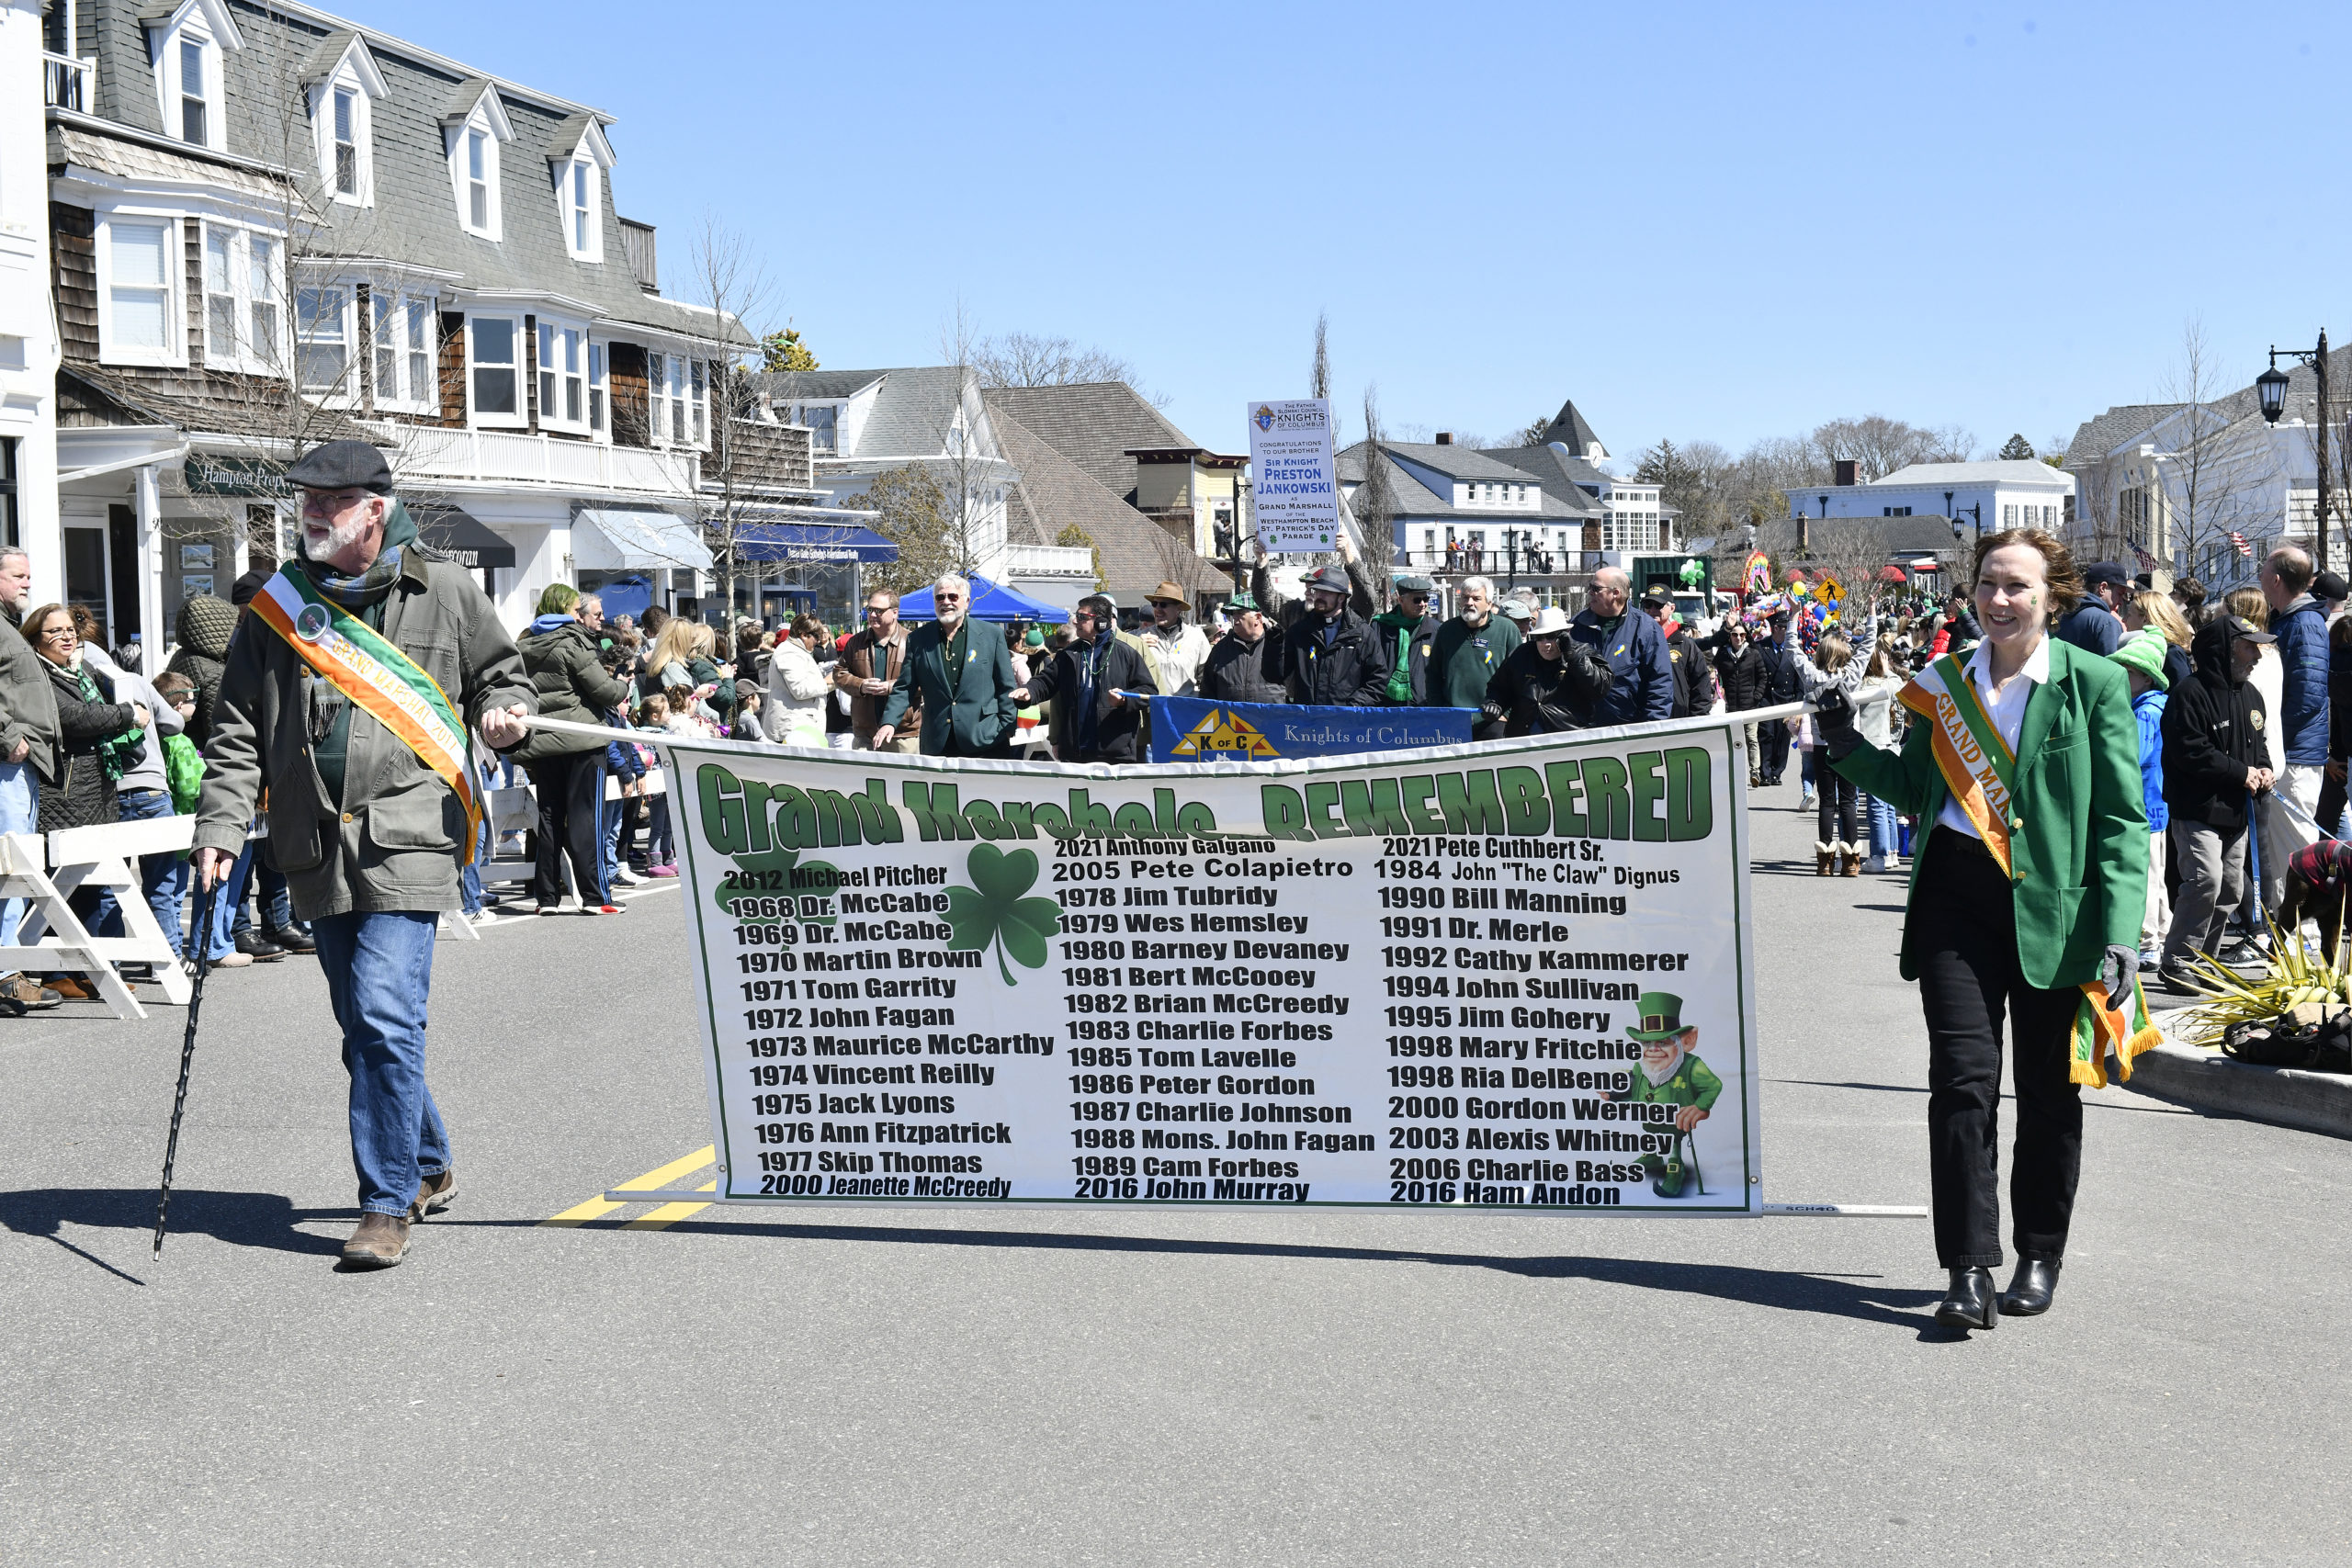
(204, 624)
(2144, 651)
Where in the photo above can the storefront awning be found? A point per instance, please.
(461, 535)
(603, 539)
(797, 542)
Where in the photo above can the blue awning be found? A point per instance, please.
(811, 542)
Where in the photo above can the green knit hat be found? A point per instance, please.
(2144, 651)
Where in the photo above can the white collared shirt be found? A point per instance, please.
(2006, 709)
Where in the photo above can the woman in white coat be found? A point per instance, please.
(796, 688)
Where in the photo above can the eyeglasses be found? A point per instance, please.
(61, 633)
(948, 598)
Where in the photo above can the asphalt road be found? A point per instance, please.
(906, 1387)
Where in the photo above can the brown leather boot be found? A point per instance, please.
(433, 1193)
(380, 1241)
(1824, 861)
(1849, 859)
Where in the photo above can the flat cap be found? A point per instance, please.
(342, 465)
(1330, 580)
(1413, 584)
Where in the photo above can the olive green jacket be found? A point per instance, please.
(2078, 840)
(395, 842)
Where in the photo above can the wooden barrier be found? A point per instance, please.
(47, 873)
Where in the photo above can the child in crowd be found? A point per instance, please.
(1877, 715)
(2142, 657)
(747, 716)
(660, 850)
(626, 762)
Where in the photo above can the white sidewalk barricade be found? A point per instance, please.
(52, 938)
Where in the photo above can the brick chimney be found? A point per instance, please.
(1445, 438)
(1844, 472)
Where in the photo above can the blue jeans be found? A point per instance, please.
(1884, 826)
(1804, 768)
(162, 878)
(378, 969)
(228, 898)
(270, 892)
(19, 800)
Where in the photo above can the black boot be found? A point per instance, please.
(254, 945)
(293, 939)
(1969, 1303)
(2030, 1288)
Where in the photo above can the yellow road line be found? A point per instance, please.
(670, 1213)
(599, 1206)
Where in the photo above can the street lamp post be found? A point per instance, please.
(2271, 387)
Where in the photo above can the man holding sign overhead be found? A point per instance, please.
(348, 693)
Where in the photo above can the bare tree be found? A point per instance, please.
(1027, 359)
(1375, 502)
(727, 276)
(1318, 379)
(1880, 445)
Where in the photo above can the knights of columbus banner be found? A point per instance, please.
(1193, 729)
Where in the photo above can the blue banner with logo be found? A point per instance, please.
(1194, 729)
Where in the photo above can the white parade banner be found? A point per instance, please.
(1294, 476)
(1512, 978)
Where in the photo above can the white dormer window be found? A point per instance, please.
(474, 135)
(576, 166)
(342, 103)
(185, 48)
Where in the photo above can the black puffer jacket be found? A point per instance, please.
(2212, 732)
(81, 796)
(1242, 672)
(1743, 675)
(1543, 697)
(1118, 726)
(1347, 668)
(205, 624)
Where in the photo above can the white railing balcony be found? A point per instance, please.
(505, 456)
(67, 82)
(1051, 561)
(1472, 560)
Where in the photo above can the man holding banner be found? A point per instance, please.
(350, 698)
(1085, 685)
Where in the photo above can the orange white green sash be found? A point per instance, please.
(365, 667)
(1978, 769)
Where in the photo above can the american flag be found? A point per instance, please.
(2147, 562)
(2239, 540)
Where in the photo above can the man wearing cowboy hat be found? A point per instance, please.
(1174, 648)
(1670, 1075)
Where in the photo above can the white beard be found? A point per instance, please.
(340, 537)
(1659, 1075)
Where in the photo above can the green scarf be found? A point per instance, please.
(117, 754)
(363, 596)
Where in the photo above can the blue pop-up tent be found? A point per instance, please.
(626, 596)
(991, 602)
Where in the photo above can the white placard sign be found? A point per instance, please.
(1294, 479)
(1511, 976)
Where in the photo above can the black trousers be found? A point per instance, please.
(571, 791)
(1967, 947)
(1775, 736)
(1840, 803)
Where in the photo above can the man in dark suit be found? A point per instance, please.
(1780, 686)
(966, 675)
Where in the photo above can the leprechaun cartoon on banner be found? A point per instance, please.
(1671, 1075)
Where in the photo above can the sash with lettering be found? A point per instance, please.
(1978, 767)
(366, 668)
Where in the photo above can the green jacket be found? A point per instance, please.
(2078, 843)
(1463, 658)
(1693, 1083)
(974, 701)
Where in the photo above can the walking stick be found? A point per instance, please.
(203, 935)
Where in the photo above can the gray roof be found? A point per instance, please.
(911, 414)
(1568, 426)
(2095, 438)
(1412, 499)
(1574, 480)
(1138, 554)
(1454, 462)
(414, 218)
(1093, 424)
(1998, 471)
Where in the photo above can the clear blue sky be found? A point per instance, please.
(1700, 220)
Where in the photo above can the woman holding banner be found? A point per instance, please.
(2026, 898)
